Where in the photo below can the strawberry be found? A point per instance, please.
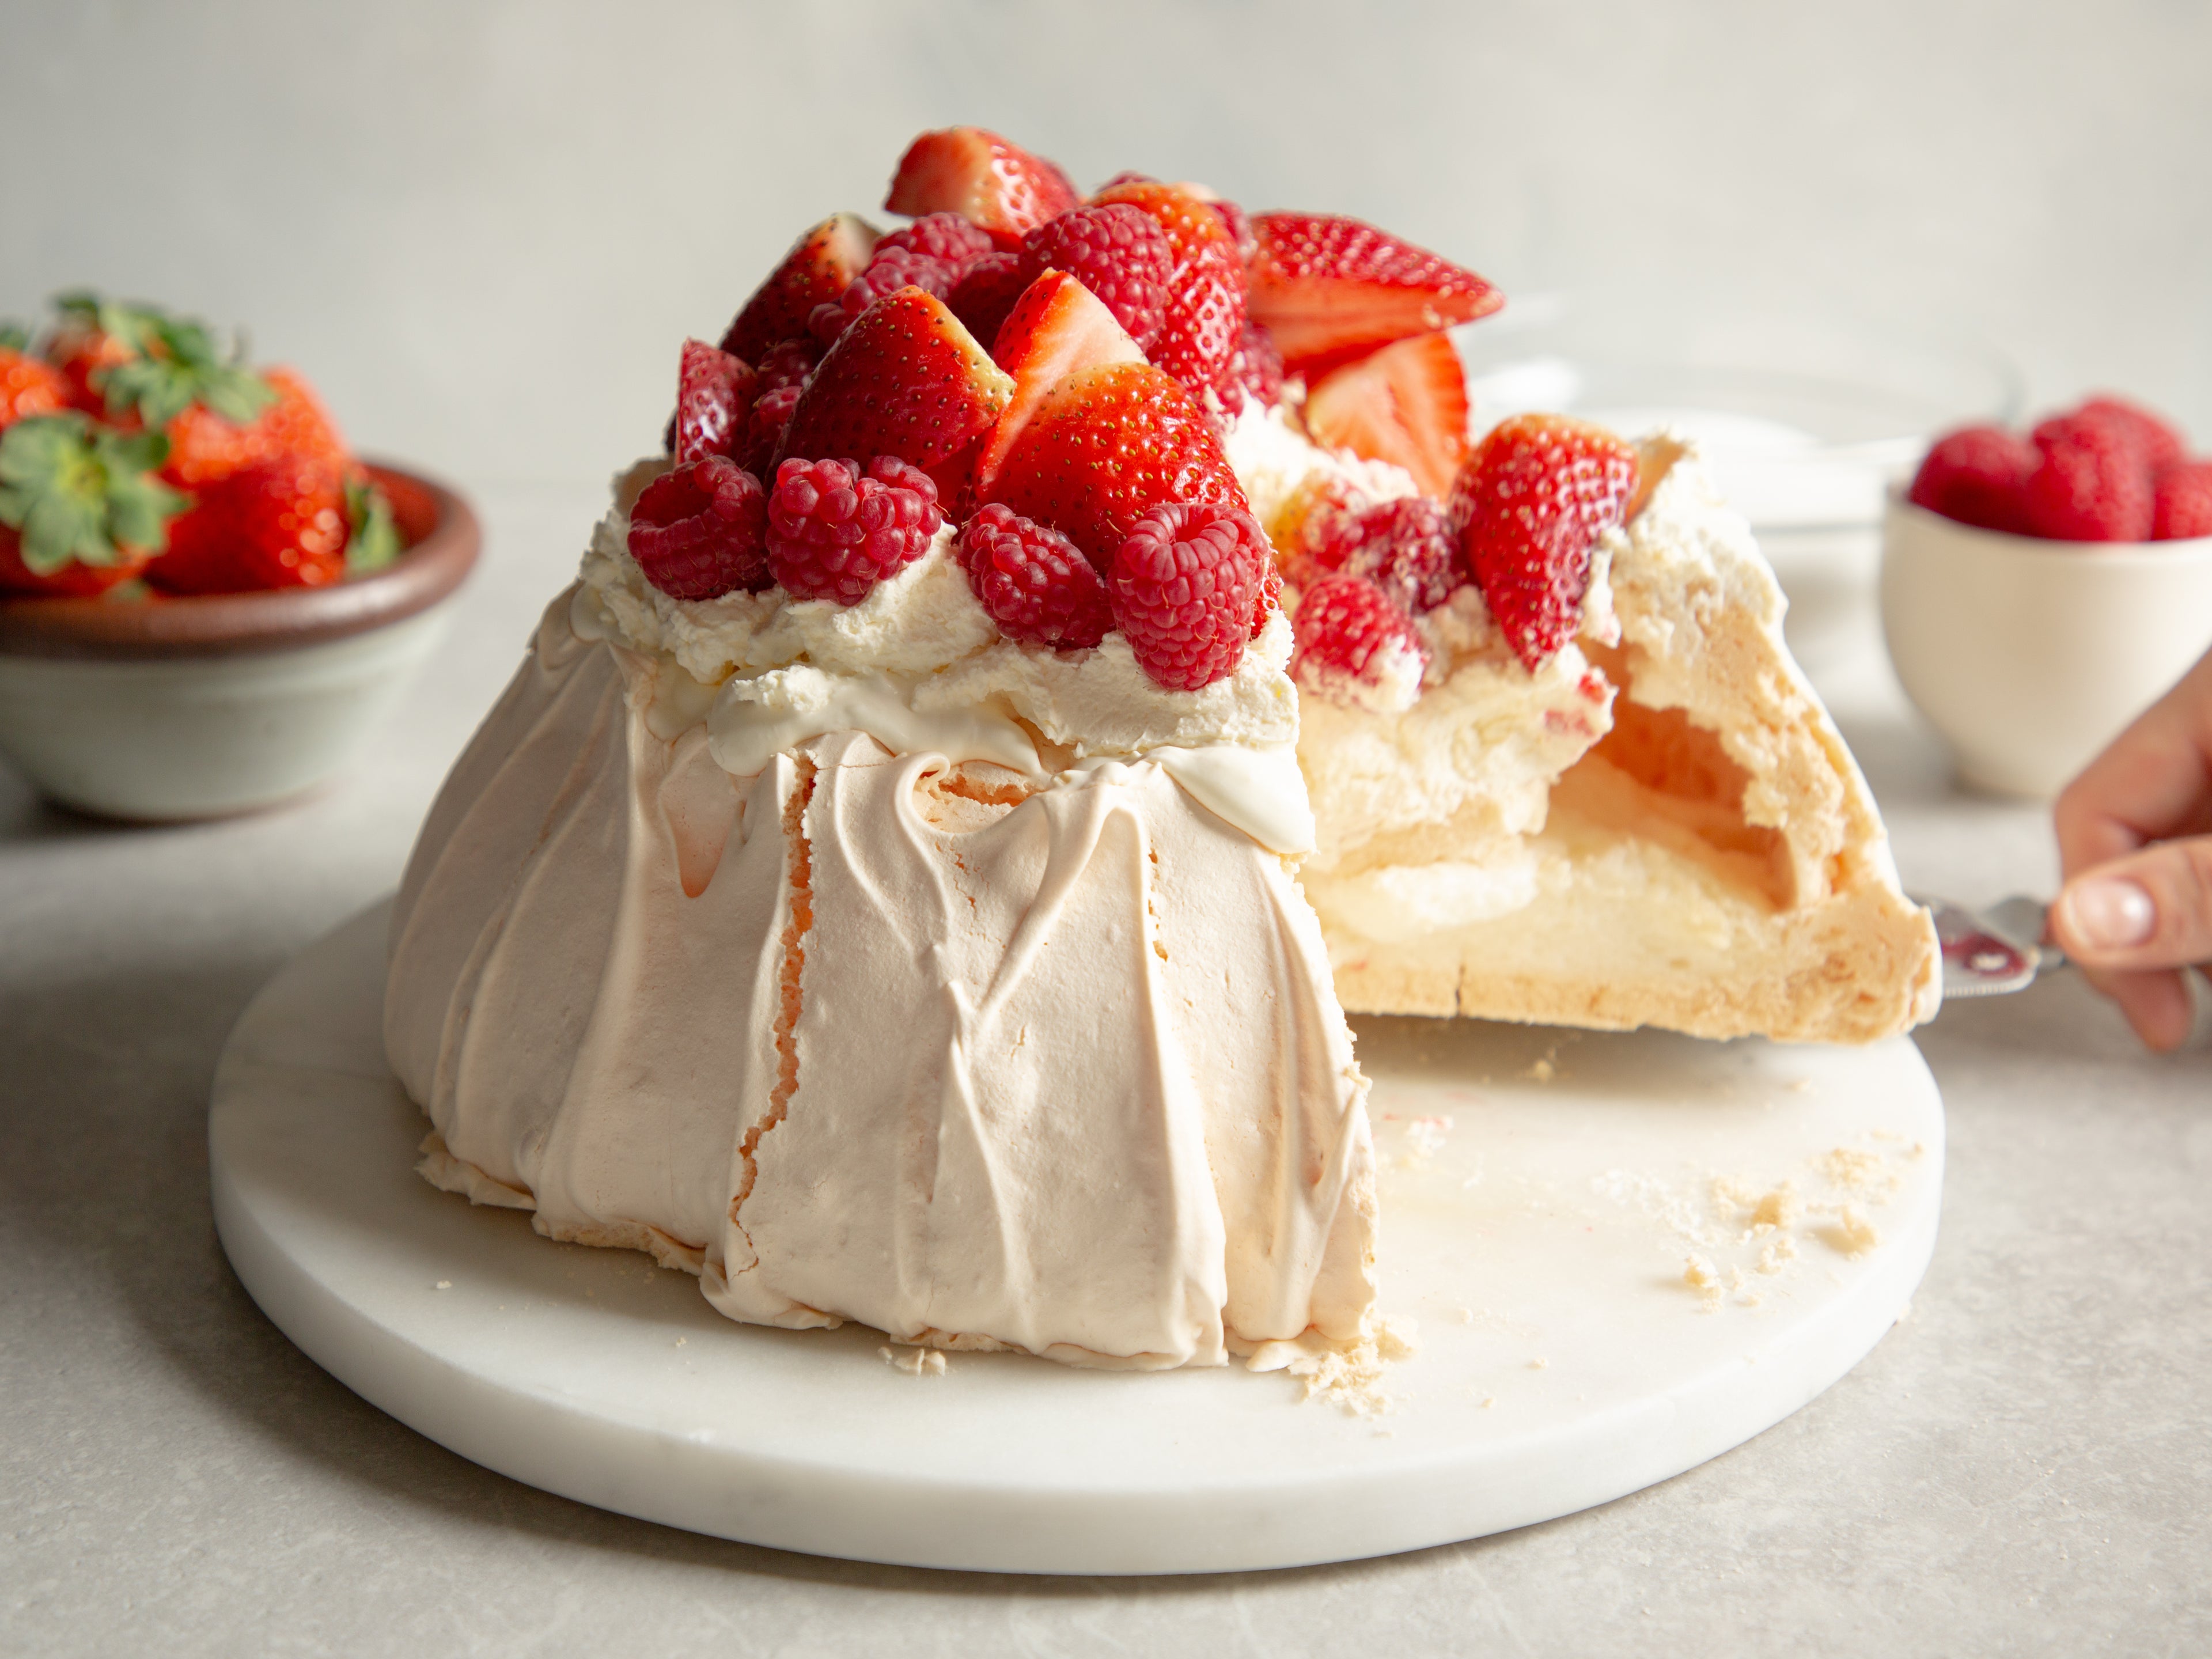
(1405, 403)
(1356, 646)
(714, 394)
(2091, 483)
(1107, 445)
(983, 178)
(2160, 446)
(29, 385)
(80, 507)
(2182, 508)
(1529, 505)
(1977, 475)
(279, 523)
(1121, 254)
(1056, 327)
(1330, 289)
(1183, 584)
(820, 267)
(205, 445)
(905, 379)
(1034, 582)
(1205, 314)
(148, 366)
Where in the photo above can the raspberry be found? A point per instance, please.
(1406, 547)
(1254, 372)
(834, 532)
(1183, 584)
(1035, 582)
(1977, 476)
(1121, 254)
(2159, 444)
(1356, 646)
(985, 293)
(887, 273)
(951, 240)
(787, 362)
(2090, 483)
(2182, 508)
(764, 429)
(697, 532)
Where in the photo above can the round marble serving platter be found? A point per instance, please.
(1545, 1195)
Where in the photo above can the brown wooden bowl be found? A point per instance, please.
(441, 540)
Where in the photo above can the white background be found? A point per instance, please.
(483, 228)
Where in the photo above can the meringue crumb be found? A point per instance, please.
(443, 1285)
(1542, 1072)
(1538, 1364)
(1733, 1193)
(681, 1340)
(1697, 1274)
(1779, 1254)
(1802, 1085)
(1846, 1166)
(1488, 1401)
(1351, 1379)
(1777, 1211)
(1903, 1313)
(1851, 1233)
(915, 1362)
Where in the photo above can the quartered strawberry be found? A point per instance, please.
(1205, 314)
(1405, 403)
(714, 394)
(983, 178)
(1105, 447)
(821, 265)
(81, 508)
(1057, 326)
(1331, 289)
(1530, 504)
(905, 379)
(280, 522)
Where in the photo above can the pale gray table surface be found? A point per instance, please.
(2023, 1466)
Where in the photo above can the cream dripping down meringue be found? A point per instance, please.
(874, 966)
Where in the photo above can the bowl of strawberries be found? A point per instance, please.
(2038, 590)
(206, 601)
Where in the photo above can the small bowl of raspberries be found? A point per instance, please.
(2038, 590)
(206, 601)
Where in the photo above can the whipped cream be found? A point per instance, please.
(919, 666)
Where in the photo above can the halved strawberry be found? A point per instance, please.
(714, 394)
(1530, 504)
(818, 267)
(905, 379)
(981, 177)
(1405, 403)
(1105, 447)
(1057, 326)
(1330, 288)
(1205, 289)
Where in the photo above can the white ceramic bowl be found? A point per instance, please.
(2029, 656)
(195, 708)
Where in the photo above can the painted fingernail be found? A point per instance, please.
(2112, 913)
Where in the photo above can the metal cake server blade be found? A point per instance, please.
(1995, 951)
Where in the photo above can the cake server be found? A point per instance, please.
(1994, 950)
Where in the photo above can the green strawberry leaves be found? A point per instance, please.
(175, 363)
(13, 337)
(375, 542)
(72, 491)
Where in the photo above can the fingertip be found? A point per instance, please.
(2157, 1006)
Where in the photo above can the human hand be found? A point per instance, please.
(2135, 841)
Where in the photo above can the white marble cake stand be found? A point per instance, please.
(1542, 1193)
